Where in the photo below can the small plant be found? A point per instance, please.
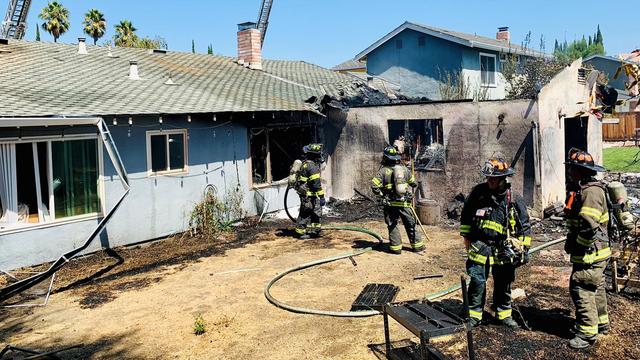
(199, 325)
(213, 215)
(453, 86)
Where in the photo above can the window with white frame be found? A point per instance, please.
(45, 180)
(487, 69)
(167, 151)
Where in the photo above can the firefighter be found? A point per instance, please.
(497, 236)
(309, 187)
(587, 216)
(391, 185)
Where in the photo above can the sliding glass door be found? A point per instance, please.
(75, 177)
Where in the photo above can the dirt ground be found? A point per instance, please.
(142, 302)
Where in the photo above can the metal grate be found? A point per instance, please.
(375, 296)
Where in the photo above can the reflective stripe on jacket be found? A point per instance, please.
(309, 179)
(586, 223)
(383, 185)
(493, 228)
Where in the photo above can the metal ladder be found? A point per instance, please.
(15, 22)
(263, 19)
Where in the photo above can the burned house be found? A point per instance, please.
(448, 141)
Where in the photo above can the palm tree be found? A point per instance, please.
(94, 24)
(125, 34)
(56, 19)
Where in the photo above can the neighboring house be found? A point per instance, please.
(181, 122)
(420, 57)
(609, 65)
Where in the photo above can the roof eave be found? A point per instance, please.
(510, 50)
(472, 44)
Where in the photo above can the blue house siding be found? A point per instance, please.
(156, 206)
(419, 69)
(609, 67)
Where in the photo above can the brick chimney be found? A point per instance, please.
(503, 34)
(249, 47)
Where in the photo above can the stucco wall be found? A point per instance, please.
(562, 98)
(156, 206)
(472, 133)
(418, 69)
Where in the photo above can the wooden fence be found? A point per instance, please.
(624, 130)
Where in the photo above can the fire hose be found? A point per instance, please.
(363, 313)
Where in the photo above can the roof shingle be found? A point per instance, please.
(44, 79)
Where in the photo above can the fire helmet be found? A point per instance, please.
(497, 167)
(581, 158)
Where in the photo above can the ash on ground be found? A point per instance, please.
(357, 208)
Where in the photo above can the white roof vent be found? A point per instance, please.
(82, 46)
(170, 81)
(133, 70)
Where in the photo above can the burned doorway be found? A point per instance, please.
(420, 140)
(575, 135)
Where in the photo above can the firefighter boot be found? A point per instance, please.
(509, 322)
(580, 343)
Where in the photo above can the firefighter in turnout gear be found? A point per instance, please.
(497, 235)
(587, 217)
(308, 185)
(392, 185)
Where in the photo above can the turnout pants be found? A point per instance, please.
(308, 221)
(503, 277)
(391, 216)
(587, 288)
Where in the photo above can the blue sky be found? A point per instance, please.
(328, 32)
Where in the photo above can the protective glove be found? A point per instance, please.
(570, 244)
(323, 202)
(383, 202)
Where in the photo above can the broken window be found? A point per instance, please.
(45, 180)
(419, 140)
(166, 151)
(487, 69)
(273, 150)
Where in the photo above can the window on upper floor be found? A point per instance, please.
(398, 43)
(487, 69)
(422, 40)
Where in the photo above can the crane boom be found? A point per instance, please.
(15, 22)
(263, 19)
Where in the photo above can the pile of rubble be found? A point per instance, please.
(357, 208)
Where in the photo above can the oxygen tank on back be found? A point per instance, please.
(293, 172)
(618, 195)
(400, 181)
